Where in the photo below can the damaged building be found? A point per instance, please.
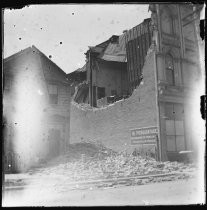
(114, 67)
(36, 111)
(134, 93)
(156, 65)
(106, 73)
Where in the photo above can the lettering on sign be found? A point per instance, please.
(145, 135)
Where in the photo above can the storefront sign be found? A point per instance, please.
(145, 135)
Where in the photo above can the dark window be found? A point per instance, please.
(100, 92)
(53, 94)
(169, 66)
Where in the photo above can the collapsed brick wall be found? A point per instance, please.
(111, 125)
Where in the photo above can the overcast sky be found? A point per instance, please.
(65, 31)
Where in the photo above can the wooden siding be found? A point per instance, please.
(138, 41)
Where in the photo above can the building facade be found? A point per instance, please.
(178, 72)
(36, 109)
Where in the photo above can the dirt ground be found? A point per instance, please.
(178, 192)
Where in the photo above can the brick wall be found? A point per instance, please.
(111, 125)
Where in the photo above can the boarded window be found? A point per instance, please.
(53, 94)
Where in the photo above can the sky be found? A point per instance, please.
(65, 31)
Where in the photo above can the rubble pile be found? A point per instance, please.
(85, 162)
(83, 150)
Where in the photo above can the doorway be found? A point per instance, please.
(174, 124)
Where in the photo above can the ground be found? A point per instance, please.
(166, 193)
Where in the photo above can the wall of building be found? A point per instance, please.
(53, 75)
(179, 41)
(111, 125)
(23, 121)
(57, 123)
(112, 76)
(30, 117)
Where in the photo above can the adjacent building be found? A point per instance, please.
(36, 109)
(177, 74)
(106, 73)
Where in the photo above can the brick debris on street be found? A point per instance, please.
(86, 164)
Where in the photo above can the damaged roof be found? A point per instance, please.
(78, 71)
(116, 50)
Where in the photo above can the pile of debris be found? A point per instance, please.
(86, 161)
(80, 151)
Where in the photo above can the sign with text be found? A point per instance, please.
(145, 135)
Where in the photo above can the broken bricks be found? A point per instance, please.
(88, 166)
